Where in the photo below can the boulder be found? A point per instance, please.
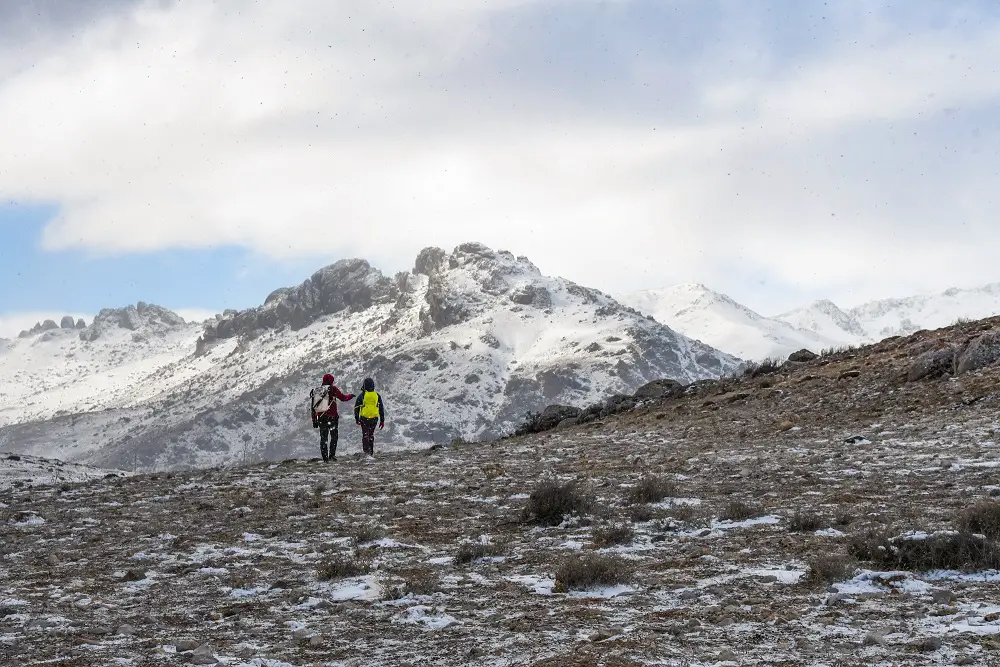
(532, 295)
(932, 364)
(553, 415)
(803, 355)
(67, 322)
(660, 389)
(80, 324)
(981, 352)
(49, 325)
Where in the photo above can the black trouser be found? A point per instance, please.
(329, 428)
(368, 426)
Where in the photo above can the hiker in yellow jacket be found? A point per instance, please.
(369, 411)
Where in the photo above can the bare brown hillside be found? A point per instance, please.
(832, 512)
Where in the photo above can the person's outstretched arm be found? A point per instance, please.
(341, 395)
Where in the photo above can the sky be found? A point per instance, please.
(200, 154)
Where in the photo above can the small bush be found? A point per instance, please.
(471, 551)
(651, 489)
(582, 572)
(611, 534)
(641, 514)
(684, 512)
(341, 566)
(551, 502)
(940, 551)
(737, 510)
(982, 518)
(320, 489)
(802, 522)
(767, 366)
(300, 495)
(422, 582)
(368, 532)
(828, 568)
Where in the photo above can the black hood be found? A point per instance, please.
(368, 385)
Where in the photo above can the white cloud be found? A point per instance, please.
(375, 129)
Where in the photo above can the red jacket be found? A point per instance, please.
(332, 412)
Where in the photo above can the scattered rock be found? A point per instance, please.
(302, 633)
(943, 596)
(857, 440)
(786, 425)
(874, 639)
(727, 655)
(849, 374)
(135, 575)
(126, 630)
(186, 645)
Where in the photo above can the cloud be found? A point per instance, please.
(374, 129)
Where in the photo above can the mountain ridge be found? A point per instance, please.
(464, 345)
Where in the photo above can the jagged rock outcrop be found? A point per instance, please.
(80, 324)
(67, 322)
(349, 284)
(132, 318)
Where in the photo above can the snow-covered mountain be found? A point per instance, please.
(721, 322)
(463, 345)
(716, 319)
(897, 317)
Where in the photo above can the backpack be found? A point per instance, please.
(320, 399)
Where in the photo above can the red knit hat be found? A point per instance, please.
(328, 379)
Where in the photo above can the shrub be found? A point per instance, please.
(651, 489)
(422, 581)
(612, 533)
(802, 522)
(767, 366)
(341, 566)
(470, 551)
(641, 513)
(738, 510)
(940, 551)
(982, 518)
(582, 572)
(551, 502)
(828, 568)
(367, 532)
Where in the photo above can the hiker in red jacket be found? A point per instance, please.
(323, 406)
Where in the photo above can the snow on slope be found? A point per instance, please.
(462, 346)
(22, 469)
(699, 313)
(716, 319)
(899, 317)
(828, 321)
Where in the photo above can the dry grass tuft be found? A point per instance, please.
(737, 510)
(828, 568)
(804, 522)
(651, 489)
(611, 534)
(341, 566)
(982, 518)
(550, 503)
(583, 572)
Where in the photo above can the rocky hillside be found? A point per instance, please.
(837, 511)
(462, 346)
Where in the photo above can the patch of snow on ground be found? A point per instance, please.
(540, 585)
(429, 617)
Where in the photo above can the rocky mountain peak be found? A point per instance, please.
(347, 284)
(132, 318)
